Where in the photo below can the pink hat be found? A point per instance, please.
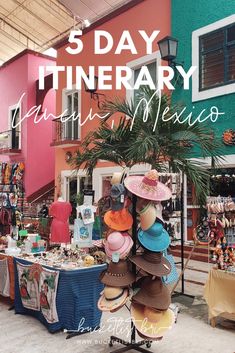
(148, 186)
(118, 243)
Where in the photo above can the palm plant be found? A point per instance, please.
(147, 138)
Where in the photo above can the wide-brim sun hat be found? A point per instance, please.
(118, 274)
(147, 216)
(151, 323)
(153, 293)
(148, 186)
(153, 263)
(118, 220)
(118, 243)
(155, 238)
(112, 298)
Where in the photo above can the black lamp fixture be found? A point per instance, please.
(168, 48)
(92, 91)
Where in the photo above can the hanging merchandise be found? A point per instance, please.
(173, 276)
(87, 213)
(118, 275)
(48, 289)
(120, 243)
(118, 220)
(82, 233)
(153, 263)
(60, 211)
(155, 238)
(113, 298)
(117, 197)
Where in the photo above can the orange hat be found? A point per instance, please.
(118, 220)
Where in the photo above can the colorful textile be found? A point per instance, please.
(82, 233)
(29, 286)
(48, 291)
(11, 274)
(4, 278)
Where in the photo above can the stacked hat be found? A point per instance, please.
(118, 277)
(150, 306)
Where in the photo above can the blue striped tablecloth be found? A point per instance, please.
(77, 296)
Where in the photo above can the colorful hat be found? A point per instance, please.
(153, 293)
(155, 238)
(118, 243)
(153, 263)
(112, 298)
(117, 197)
(118, 177)
(150, 322)
(117, 275)
(118, 220)
(159, 209)
(148, 187)
(148, 216)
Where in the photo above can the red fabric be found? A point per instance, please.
(60, 211)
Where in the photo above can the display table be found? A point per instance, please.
(78, 292)
(11, 273)
(219, 295)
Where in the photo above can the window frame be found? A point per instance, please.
(65, 94)
(218, 90)
(10, 109)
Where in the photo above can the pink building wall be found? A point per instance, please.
(17, 77)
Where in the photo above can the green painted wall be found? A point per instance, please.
(187, 16)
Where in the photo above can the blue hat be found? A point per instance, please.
(155, 238)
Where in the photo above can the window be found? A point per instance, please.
(213, 53)
(151, 61)
(217, 57)
(71, 130)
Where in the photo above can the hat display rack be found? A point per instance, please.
(153, 297)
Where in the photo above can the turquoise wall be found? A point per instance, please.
(187, 16)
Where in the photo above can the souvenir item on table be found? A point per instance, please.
(147, 216)
(118, 274)
(153, 263)
(29, 287)
(118, 220)
(155, 238)
(118, 177)
(171, 277)
(4, 278)
(89, 261)
(151, 322)
(100, 257)
(153, 293)
(82, 233)
(87, 213)
(60, 211)
(148, 187)
(117, 195)
(118, 243)
(112, 298)
(48, 291)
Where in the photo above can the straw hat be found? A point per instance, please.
(118, 243)
(148, 186)
(153, 263)
(117, 275)
(153, 293)
(118, 177)
(148, 216)
(112, 298)
(151, 323)
(118, 220)
(155, 238)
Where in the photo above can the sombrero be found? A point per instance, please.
(118, 243)
(112, 298)
(148, 186)
(118, 220)
(155, 238)
(151, 323)
(153, 293)
(153, 263)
